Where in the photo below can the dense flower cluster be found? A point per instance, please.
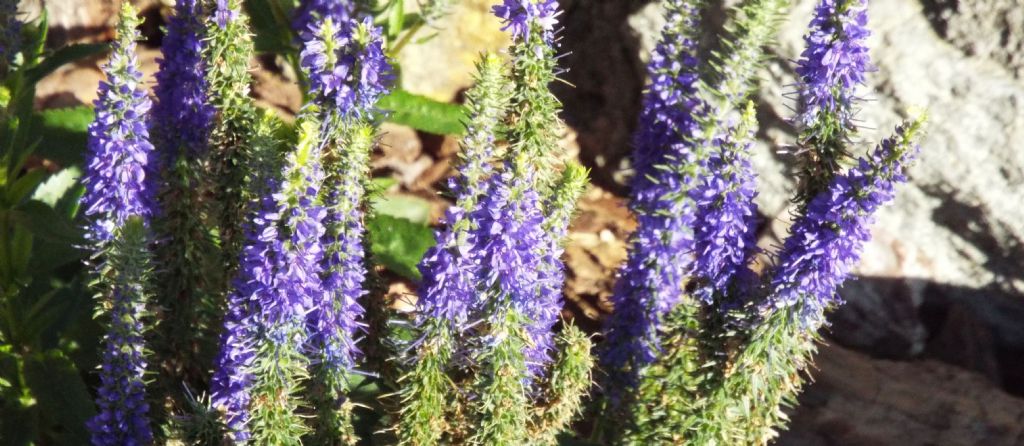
(298, 282)
(311, 13)
(826, 243)
(835, 60)
(699, 348)
(119, 147)
(545, 313)
(520, 15)
(347, 66)
(121, 397)
(725, 227)
(509, 219)
(256, 282)
(651, 281)
(448, 290)
(122, 406)
(278, 286)
(182, 117)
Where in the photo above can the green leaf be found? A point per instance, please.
(21, 251)
(63, 398)
(382, 184)
(396, 19)
(62, 56)
(35, 40)
(17, 419)
(399, 244)
(23, 186)
(409, 207)
(272, 30)
(63, 132)
(423, 113)
(44, 222)
(58, 186)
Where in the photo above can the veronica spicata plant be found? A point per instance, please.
(189, 271)
(233, 219)
(492, 293)
(700, 350)
(348, 73)
(118, 204)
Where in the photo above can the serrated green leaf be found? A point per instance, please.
(63, 132)
(63, 398)
(399, 244)
(63, 56)
(423, 113)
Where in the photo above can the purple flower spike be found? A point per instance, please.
(121, 397)
(278, 285)
(510, 237)
(232, 378)
(835, 60)
(301, 289)
(118, 204)
(119, 145)
(826, 243)
(335, 322)
(520, 15)
(450, 268)
(725, 231)
(660, 256)
(347, 66)
(182, 117)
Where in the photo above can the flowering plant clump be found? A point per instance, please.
(721, 349)
(239, 255)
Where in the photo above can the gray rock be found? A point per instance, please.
(990, 29)
(862, 401)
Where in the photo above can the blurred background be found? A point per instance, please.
(929, 349)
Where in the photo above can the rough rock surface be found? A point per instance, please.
(860, 401)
